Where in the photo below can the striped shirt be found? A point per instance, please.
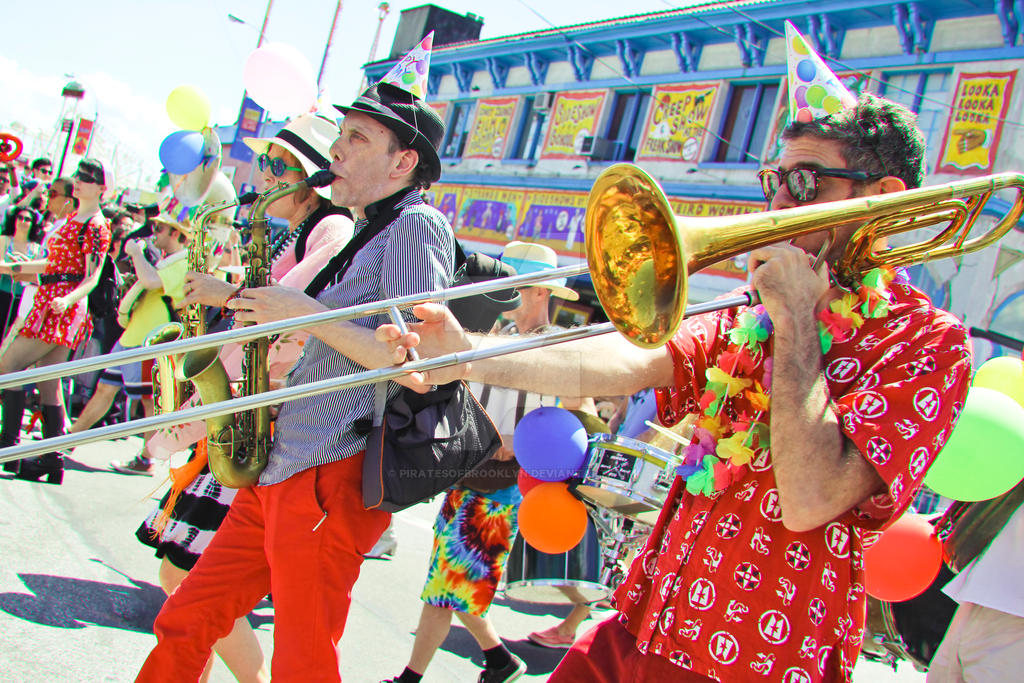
(414, 253)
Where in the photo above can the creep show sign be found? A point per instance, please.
(975, 123)
(676, 123)
(491, 127)
(573, 117)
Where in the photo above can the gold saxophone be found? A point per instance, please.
(238, 445)
(170, 387)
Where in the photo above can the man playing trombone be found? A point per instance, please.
(302, 532)
(819, 412)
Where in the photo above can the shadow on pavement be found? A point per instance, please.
(74, 603)
(539, 660)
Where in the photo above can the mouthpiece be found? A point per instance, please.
(320, 179)
(248, 198)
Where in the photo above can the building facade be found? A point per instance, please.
(697, 97)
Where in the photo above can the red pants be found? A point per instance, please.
(607, 654)
(301, 540)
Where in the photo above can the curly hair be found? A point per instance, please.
(878, 136)
(35, 233)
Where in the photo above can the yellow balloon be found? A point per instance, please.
(1004, 374)
(188, 108)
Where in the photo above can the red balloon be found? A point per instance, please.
(527, 482)
(904, 561)
(551, 519)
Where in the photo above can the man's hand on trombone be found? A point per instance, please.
(437, 334)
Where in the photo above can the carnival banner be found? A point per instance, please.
(676, 123)
(554, 219)
(980, 102)
(445, 198)
(249, 123)
(441, 108)
(490, 128)
(574, 116)
(489, 214)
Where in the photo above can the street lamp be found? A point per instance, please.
(72, 93)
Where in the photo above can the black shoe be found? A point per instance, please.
(49, 465)
(510, 672)
(11, 466)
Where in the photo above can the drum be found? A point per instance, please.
(910, 630)
(627, 476)
(567, 578)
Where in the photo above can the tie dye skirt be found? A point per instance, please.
(473, 535)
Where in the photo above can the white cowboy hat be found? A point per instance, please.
(529, 257)
(309, 137)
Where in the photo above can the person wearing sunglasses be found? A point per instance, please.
(765, 544)
(59, 320)
(20, 240)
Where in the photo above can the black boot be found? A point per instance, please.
(50, 465)
(13, 401)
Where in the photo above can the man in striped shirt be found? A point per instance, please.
(302, 531)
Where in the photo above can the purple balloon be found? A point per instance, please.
(550, 444)
(806, 70)
(800, 95)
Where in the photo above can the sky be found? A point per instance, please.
(130, 54)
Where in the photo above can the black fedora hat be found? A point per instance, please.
(414, 122)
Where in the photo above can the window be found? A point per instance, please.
(629, 112)
(746, 122)
(528, 133)
(925, 93)
(458, 130)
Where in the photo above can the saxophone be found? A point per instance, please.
(238, 445)
(170, 388)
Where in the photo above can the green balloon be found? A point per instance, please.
(816, 95)
(984, 456)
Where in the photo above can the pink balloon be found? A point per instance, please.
(279, 78)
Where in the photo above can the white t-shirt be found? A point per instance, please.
(993, 579)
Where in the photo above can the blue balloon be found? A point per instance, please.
(550, 444)
(806, 70)
(182, 151)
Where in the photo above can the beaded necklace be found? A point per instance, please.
(721, 446)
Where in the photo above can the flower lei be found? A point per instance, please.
(721, 446)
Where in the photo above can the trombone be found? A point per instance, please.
(639, 255)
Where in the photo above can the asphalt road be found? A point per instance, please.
(78, 592)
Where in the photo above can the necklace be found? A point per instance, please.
(732, 429)
(285, 239)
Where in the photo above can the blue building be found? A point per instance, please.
(696, 97)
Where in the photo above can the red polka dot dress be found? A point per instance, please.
(67, 250)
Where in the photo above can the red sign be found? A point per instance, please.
(81, 144)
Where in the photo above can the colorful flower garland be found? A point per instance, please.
(720, 446)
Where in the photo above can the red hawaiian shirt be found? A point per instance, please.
(721, 586)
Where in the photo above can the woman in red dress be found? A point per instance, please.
(59, 320)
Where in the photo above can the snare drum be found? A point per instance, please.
(627, 476)
(566, 578)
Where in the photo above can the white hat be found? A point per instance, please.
(309, 137)
(530, 257)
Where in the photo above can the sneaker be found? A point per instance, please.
(510, 672)
(551, 638)
(140, 464)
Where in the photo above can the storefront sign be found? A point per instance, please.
(490, 129)
(972, 134)
(676, 123)
(574, 116)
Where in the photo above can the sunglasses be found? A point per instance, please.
(276, 165)
(802, 183)
(85, 178)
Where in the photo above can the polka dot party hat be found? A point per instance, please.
(410, 73)
(814, 91)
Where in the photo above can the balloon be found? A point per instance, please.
(982, 458)
(1004, 374)
(181, 151)
(550, 443)
(904, 561)
(188, 108)
(526, 482)
(551, 519)
(278, 77)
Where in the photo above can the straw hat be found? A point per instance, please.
(309, 137)
(529, 257)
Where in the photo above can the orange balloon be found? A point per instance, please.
(904, 561)
(551, 519)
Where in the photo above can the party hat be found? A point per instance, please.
(814, 91)
(410, 73)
